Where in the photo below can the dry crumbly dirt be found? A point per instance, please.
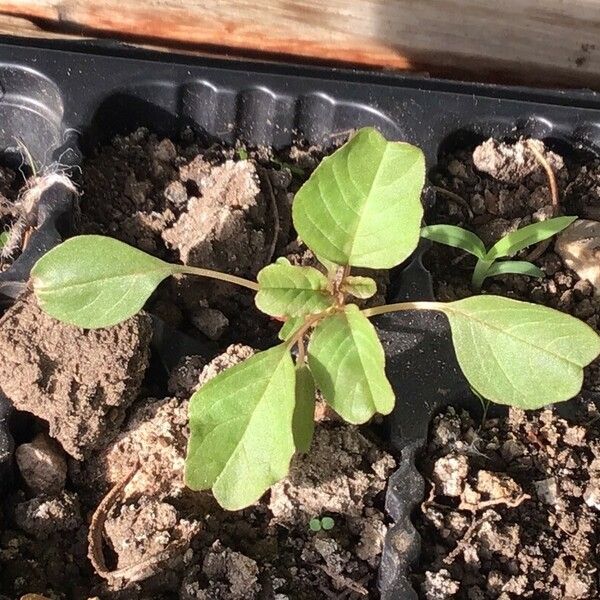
(200, 204)
(157, 539)
(503, 188)
(513, 509)
(174, 543)
(79, 381)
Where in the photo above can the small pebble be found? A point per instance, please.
(43, 465)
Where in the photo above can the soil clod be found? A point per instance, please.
(79, 381)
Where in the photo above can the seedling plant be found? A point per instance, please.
(321, 524)
(361, 207)
(488, 263)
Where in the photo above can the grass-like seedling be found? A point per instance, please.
(360, 208)
(488, 263)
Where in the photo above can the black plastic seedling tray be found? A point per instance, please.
(62, 99)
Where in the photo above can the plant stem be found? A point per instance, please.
(310, 321)
(399, 306)
(252, 285)
(480, 273)
(301, 352)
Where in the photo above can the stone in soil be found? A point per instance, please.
(79, 381)
(526, 525)
(43, 465)
(579, 248)
(210, 321)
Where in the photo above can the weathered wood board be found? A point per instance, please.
(520, 41)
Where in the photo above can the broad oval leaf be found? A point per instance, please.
(241, 439)
(515, 267)
(94, 281)
(517, 353)
(289, 291)
(516, 241)
(454, 236)
(304, 411)
(348, 365)
(362, 205)
(359, 287)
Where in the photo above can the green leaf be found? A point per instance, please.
(328, 264)
(348, 365)
(289, 328)
(303, 424)
(315, 524)
(4, 236)
(241, 439)
(359, 287)
(289, 291)
(362, 205)
(480, 272)
(93, 281)
(327, 523)
(454, 236)
(518, 353)
(516, 267)
(514, 242)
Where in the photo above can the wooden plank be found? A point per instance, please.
(17, 26)
(521, 41)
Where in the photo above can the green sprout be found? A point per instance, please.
(242, 153)
(4, 237)
(285, 165)
(508, 246)
(361, 207)
(321, 523)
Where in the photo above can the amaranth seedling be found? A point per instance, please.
(360, 208)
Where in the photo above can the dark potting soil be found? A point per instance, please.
(160, 540)
(202, 204)
(499, 187)
(513, 507)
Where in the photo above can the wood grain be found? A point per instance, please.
(521, 41)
